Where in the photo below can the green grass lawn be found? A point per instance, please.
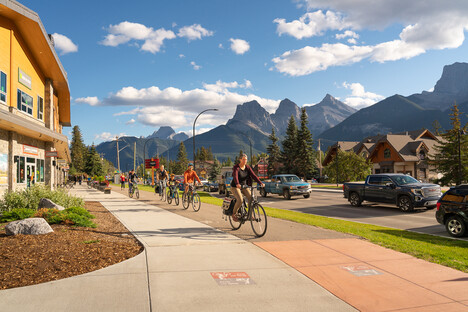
(449, 252)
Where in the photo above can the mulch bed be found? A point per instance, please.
(68, 251)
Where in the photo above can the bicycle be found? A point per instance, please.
(172, 193)
(162, 190)
(191, 197)
(255, 214)
(134, 190)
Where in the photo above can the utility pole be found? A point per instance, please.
(118, 158)
(320, 161)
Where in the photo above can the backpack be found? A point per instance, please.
(228, 205)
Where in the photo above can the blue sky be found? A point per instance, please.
(135, 66)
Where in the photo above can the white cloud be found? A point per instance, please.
(106, 136)
(426, 25)
(310, 24)
(239, 46)
(196, 31)
(220, 46)
(309, 59)
(126, 31)
(346, 34)
(178, 108)
(195, 66)
(359, 98)
(181, 56)
(90, 100)
(130, 122)
(64, 44)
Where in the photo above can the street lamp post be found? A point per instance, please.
(118, 151)
(193, 133)
(337, 168)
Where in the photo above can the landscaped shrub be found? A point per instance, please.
(76, 216)
(30, 197)
(17, 214)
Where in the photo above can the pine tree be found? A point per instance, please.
(93, 165)
(182, 160)
(274, 153)
(305, 161)
(210, 154)
(289, 154)
(78, 151)
(228, 162)
(216, 170)
(451, 154)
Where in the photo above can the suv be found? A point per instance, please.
(452, 210)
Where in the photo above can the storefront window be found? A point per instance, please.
(3, 87)
(25, 102)
(40, 170)
(40, 108)
(20, 169)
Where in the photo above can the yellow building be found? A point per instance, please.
(34, 102)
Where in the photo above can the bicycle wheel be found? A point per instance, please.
(185, 202)
(196, 202)
(258, 220)
(235, 224)
(176, 197)
(130, 194)
(169, 197)
(137, 193)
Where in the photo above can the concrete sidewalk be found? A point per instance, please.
(186, 266)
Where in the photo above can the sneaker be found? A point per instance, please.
(234, 218)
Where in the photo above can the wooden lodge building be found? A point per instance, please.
(404, 152)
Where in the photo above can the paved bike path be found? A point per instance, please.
(186, 266)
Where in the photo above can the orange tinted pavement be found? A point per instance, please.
(374, 278)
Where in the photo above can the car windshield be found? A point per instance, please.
(404, 179)
(291, 179)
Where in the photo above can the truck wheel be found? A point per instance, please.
(405, 204)
(355, 199)
(286, 194)
(263, 192)
(455, 226)
(306, 195)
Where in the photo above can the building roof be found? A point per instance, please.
(32, 31)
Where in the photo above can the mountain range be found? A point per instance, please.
(330, 120)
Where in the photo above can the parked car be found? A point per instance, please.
(180, 179)
(224, 184)
(286, 185)
(211, 186)
(402, 190)
(203, 181)
(452, 210)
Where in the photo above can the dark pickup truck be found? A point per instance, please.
(402, 190)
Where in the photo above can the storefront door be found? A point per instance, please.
(30, 174)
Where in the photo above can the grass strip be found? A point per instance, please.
(445, 251)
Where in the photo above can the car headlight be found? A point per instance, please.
(292, 187)
(416, 191)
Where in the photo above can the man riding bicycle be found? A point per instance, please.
(132, 179)
(189, 177)
(242, 174)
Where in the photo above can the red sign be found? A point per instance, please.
(152, 163)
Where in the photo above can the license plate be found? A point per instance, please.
(432, 203)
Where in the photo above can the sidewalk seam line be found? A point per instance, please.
(149, 284)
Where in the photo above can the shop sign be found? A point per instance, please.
(24, 79)
(31, 150)
(51, 154)
(61, 161)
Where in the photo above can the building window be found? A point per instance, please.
(25, 102)
(387, 153)
(20, 169)
(40, 108)
(40, 170)
(3, 87)
(422, 155)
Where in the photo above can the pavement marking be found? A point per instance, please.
(361, 270)
(232, 278)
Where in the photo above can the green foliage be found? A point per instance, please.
(228, 162)
(29, 198)
(76, 216)
(204, 154)
(216, 170)
(305, 162)
(93, 164)
(451, 154)
(274, 153)
(348, 166)
(289, 154)
(17, 214)
(182, 160)
(77, 151)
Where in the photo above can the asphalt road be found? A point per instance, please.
(331, 203)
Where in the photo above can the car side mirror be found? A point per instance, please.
(390, 185)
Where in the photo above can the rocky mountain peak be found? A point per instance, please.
(454, 79)
(253, 115)
(164, 132)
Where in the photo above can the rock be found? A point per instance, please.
(47, 203)
(30, 226)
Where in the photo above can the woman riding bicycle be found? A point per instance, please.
(242, 174)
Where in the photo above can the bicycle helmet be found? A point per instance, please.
(190, 164)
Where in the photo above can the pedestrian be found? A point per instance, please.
(122, 181)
